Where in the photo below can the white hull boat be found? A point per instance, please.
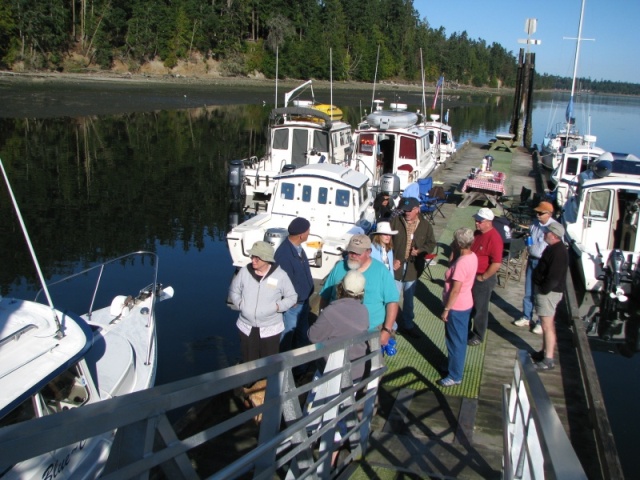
(52, 360)
(394, 142)
(440, 139)
(572, 163)
(305, 133)
(603, 215)
(337, 202)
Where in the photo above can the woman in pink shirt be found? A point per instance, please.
(458, 302)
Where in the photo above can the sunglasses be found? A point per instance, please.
(539, 214)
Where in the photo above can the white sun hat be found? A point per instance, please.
(384, 228)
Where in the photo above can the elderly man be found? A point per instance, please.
(549, 278)
(488, 247)
(380, 293)
(544, 218)
(414, 239)
(292, 259)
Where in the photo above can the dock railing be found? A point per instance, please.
(535, 443)
(290, 441)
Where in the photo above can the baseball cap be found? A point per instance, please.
(353, 283)
(409, 203)
(556, 228)
(359, 243)
(484, 214)
(544, 207)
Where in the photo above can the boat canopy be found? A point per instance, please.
(301, 112)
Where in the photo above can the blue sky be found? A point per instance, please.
(614, 24)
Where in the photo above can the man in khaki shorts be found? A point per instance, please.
(549, 278)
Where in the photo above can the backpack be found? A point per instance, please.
(503, 226)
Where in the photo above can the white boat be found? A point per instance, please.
(573, 161)
(603, 215)
(395, 142)
(440, 138)
(565, 135)
(52, 360)
(337, 202)
(302, 134)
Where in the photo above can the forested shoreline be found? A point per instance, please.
(384, 40)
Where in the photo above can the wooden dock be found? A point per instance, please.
(432, 433)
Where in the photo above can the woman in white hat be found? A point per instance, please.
(382, 246)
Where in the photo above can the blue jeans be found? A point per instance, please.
(409, 289)
(456, 334)
(527, 301)
(296, 327)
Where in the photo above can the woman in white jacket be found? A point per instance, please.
(261, 291)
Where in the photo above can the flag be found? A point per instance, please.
(438, 85)
(569, 113)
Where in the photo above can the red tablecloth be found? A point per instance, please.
(487, 184)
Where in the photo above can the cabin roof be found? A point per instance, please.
(329, 171)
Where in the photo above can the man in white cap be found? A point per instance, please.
(549, 278)
(488, 247)
(380, 293)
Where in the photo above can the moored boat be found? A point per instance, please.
(394, 141)
(335, 199)
(440, 138)
(573, 162)
(602, 215)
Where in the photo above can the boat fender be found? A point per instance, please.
(121, 305)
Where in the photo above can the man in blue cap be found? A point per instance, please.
(291, 257)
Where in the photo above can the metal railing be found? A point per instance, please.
(290, 439)
(535, 443)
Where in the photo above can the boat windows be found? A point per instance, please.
(342, 198)
(287, 191)
(408, 148)
(597, 205)
(281, 139)
(323, 195)
(320, 141)
(366, 144)
(573, 166)
(306, 193)
(67, 390)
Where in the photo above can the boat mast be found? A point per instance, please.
(59, 332)
(424, 98)
(569, 113)
(375, 77)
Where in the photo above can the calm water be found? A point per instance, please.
(99, 174)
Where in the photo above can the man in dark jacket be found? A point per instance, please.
(291, 258)
(414, 239)
(549, 278)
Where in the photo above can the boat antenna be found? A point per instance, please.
(424, 99)
(277, 59)
(59, 333)
(330, 80)
(375, 77)
(442, 98)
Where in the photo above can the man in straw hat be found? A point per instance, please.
(544, 218)
(549, 278)
(380, 293)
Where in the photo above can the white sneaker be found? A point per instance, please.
(522, 322)
(537, 329)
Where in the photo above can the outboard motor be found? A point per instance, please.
(611, 314)
(289, 167)
(275, 236)
(236, 178)
(235, 213)
(390, 184)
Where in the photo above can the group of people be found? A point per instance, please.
(363, 291)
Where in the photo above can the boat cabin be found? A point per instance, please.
(574, 161)
(392, 141)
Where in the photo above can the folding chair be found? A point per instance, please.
(514, 261)
(430, 259)
(441, 197)
(428, 205)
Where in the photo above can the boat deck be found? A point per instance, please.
(426, 431)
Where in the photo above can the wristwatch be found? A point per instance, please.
(387, 330)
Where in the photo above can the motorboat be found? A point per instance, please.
(566, 136)
(52, 360)
(440, 138)
(602, 215)
(573, 161)
(302, 132)
(336, 200)
(394, 141)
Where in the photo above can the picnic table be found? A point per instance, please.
(485, 186)
(503, 141)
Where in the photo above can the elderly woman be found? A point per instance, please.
(261, 291)
(458, 302)
(382, 244)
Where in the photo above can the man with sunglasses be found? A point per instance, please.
(544, 218)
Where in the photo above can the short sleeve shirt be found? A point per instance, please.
(488, 247)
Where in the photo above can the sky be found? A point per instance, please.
(613, 24)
